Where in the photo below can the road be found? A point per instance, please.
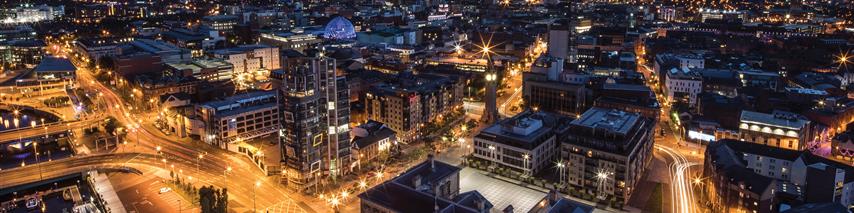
(241, 181)
(58, 168)
(12, 135)
(682, 155)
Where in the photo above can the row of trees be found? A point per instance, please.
(213, 200)
(209, 198)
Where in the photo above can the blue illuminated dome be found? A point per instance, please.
(339, 28)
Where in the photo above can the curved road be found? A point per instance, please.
(681, 190)
(241, 181)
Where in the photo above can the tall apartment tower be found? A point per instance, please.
(315, 134)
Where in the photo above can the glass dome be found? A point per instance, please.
(339, 28)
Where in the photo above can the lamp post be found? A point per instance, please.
(257, 184)
(560, 167)
(36, 151)
(160, 155)
(525, 158)
(492, 155)
(225, 175)
(198, 159)
(603, 177)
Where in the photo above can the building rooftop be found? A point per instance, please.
(610, 120)
(240, 49)
(154, 46)
(400, 195)
(526, 129)
(55, 64)
(374, 131)
(777, 120)
(239, 100)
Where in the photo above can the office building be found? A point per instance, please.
(288, 40)
(239, 117)
(682, 86)
(250, 58)
(607, 152)
(92, 49)
(315, 134)
(221, 22)
(528, 142)
(21, 53)
(202, 69)
(779, 129)
(555, 93)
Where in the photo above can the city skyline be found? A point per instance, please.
(426, 106)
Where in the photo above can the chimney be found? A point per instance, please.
(509, 209)
(432, 163)
(416, 182)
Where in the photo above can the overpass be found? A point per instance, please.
(64, 167)
(8, 136)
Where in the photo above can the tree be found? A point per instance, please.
(111, 125)
(213, 200)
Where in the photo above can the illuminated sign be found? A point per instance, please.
(700, 136)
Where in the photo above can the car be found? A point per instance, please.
(32, 203)
(165, 189)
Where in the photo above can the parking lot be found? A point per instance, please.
(143, 194)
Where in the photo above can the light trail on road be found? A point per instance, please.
(680, 184)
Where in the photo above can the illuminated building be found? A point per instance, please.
(224, 23)
(780, 129)
(682, 86)
(31, 13)
(250, 58)
(203, 69)
(339, 28)
(55, 68)
(607, 152)
(315, 133)
(372, 140)
(724, 15)
(298, 42)
(239, 117)
(554, 93)
(528, 142)
(749, 177)
(21, 53)
(95, 48)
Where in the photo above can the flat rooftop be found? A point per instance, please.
(240, 49)
(55, 64)
(526, 129)
(772, 120)
(611, 120)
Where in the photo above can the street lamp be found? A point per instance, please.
(363, 184)
(257, 184)
(525, 158)
(225, 175)
(492, 154)
(198, 159)
(560, 167)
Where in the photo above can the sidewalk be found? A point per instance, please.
(105, 189)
